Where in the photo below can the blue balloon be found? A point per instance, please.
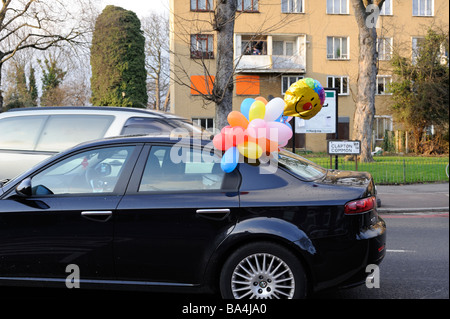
(245, 107)
(229, 160)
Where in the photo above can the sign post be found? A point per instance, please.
(338, 147)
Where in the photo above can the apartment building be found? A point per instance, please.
(278, 42)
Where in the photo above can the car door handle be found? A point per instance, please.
(98, 216)
(215, 213)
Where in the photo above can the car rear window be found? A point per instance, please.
(300, 166)
(146, 125)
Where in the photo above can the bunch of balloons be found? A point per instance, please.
(259, 128)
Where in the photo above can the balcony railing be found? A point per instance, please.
(270, 63)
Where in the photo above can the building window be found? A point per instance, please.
(337, 6)
(337, 48)
(383, 82)
(202, 46)
(247, 5)
(292, 6)
(206, 123)
(382, 124)
(386, 10)
(202, 5)
(285, 48)
(252, 45)
(340, 83)
(423, 8)
(384, 47)
(417, 43)
(287, 81)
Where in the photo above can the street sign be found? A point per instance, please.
(336, 147)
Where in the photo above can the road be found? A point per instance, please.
(416, 266)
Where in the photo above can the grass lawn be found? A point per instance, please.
(394, 169)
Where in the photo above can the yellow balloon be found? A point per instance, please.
(257, 111)
(250, 150)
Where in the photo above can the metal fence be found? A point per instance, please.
(395, 170)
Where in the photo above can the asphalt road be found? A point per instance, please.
(416, 266)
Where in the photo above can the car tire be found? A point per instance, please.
(263, 270)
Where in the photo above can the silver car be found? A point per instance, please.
(30, 135)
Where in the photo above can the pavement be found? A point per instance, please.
(414, 198)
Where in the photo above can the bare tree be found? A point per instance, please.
(224, 18)
(366, 13)
(156, 32)
(39, 25)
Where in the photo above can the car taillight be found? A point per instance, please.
(360, 206)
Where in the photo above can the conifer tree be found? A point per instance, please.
(118, 60)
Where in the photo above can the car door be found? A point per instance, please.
(178, 208)
(63, 216)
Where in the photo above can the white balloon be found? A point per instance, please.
(274, 109)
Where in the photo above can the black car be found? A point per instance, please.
(159, 213)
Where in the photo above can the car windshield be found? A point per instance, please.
(302, 167)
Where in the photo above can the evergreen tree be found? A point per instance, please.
(33, 92)
(52, 77)
(118, 60)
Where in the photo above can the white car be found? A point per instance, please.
(30, 135)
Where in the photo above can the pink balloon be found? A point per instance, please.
(257, 128)
(278, 131)
(232, 136)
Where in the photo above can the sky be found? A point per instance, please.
(140, 7)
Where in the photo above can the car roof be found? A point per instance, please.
(90, 110)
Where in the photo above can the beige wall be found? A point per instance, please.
(317, 25)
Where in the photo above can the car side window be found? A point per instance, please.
(182, 169)
(94, 171)
(63, 131)
(20, 132)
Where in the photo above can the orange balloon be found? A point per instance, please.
(260, 98)
(236, 118)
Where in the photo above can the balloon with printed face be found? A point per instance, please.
(304, 99)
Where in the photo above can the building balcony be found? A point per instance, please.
(270, 64)
(270, 54)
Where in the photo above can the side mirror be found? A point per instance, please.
(24, 188)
